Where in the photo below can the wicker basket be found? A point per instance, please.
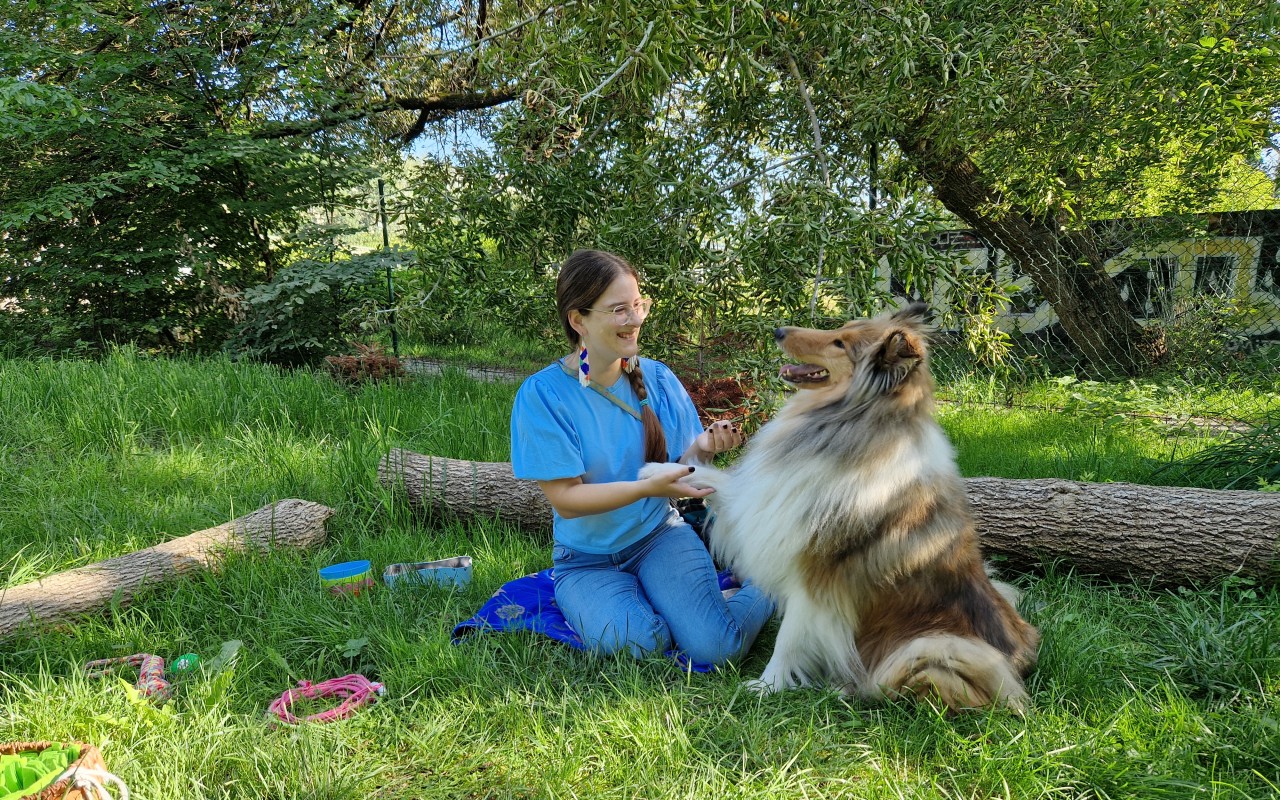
(89, 758)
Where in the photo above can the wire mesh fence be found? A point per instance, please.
(1195, 297)
(1165, 271)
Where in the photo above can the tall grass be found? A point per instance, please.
(1140, 692)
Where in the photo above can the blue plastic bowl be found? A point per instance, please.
(345, 572)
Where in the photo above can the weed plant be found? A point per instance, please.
(1141, 691)
(1249, 459)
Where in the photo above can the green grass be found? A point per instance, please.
(486, 344)
(1141, 692)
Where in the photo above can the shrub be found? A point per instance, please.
(310, 308)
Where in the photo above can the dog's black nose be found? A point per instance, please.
(779, 334)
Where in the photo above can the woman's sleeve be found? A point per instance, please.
(544, 443)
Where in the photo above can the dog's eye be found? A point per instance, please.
(839, 343)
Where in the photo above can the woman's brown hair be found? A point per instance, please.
(584, 276)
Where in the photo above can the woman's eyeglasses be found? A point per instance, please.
(622, 312)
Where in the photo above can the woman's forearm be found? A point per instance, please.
(583, 499)
(571, 497)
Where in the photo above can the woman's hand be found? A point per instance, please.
(721, 436)
(671, 483)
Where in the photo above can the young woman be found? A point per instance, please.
(630, 574)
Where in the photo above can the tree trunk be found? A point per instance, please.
(1067, 267)
(287, 523)
(1167, 535)
(1164, 533)
(466, 489)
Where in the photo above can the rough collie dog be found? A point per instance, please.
(848, 509)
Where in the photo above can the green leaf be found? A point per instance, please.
(278, 660)
(353, 647)
(226, 656)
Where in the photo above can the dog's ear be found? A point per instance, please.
(900, 351)
(913, 314)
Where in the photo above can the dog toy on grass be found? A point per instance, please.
(185, 664)
(151, 682)
(355, 691)
(453, 572)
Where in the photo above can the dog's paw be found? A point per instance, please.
(655, 468)
(774, 680)
(760, 687)
(699, 477)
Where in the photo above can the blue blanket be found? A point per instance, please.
(529, 604)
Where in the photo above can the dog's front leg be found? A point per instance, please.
(785, 669)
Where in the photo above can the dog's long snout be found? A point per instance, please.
(779, 334)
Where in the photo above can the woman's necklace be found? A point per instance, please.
(572, 372)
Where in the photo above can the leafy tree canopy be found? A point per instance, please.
(157, 153)
(747, 132)
(156, 157)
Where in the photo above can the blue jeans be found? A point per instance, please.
(658, 593)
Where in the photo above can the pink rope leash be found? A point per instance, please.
(356, 690)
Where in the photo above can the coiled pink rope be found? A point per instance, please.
(356, 690)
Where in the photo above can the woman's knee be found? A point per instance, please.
(640, 634)
(717, 651)
(749, 610)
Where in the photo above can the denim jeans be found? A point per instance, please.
(658, 593)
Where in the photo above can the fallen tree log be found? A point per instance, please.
(284, 524)
(1167, 535)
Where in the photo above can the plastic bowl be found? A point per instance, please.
(349, 577)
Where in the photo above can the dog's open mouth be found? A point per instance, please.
(803, 373)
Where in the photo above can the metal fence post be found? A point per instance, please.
(391, 291)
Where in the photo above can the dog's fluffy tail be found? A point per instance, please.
(963, 673)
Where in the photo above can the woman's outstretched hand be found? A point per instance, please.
(671, 481)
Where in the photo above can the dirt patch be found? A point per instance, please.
(722, 398)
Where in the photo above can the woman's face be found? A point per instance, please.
(605, 338)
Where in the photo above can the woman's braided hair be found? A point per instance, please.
(584, 277)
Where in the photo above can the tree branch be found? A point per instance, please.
(357, 8)
(622, 67)
(496, 34)
(821, 154)
(459, 101)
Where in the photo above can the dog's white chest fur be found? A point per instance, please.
(769, 513)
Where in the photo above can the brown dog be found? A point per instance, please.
(849, 510)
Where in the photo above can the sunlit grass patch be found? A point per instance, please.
(1141, 691)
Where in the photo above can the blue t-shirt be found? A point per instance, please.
(560, 429)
